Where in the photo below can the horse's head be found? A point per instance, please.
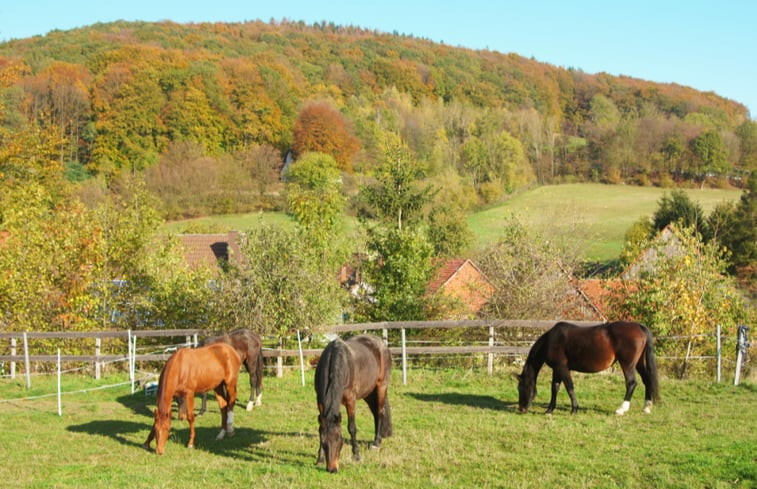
(162, 425)
(526, 390)
(330, 428)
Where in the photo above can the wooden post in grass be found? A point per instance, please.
(60, 411)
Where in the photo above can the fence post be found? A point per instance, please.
(386, 336)
(743, 346)
(491, 345)
(133, 363)
(718, 353)
(13, 362)
(97, 359)
(194, 340)
(60, 411)
(404, 358)
(302, 360)
(26, 362)
(280, 361)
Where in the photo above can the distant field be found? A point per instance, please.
(600, 214)
(452, 428)
(597, 214)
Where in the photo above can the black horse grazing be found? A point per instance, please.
(247, 345)
(358, 368)
(567, 347)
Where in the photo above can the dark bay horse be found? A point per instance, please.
(191, 370)
(567, 347)
(248, 346)
(358, 368)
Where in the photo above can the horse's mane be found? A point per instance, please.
(334, 376)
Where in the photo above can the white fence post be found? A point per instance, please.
(26, 362)
(60, 411)
(280, 360)
(404, 358)
(13, 362)
(718, 353)
(302, 360)
(491, 345)
(742, 345)
(97, 360)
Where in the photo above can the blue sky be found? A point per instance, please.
(707, 45)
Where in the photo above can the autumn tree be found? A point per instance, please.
(323, 129)
(682, 293)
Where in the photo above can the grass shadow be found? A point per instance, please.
(471, 400)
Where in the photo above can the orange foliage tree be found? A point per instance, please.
(323, 129)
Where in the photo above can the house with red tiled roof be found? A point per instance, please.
(211, 251)
(462, 280)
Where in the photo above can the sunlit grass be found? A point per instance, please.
(452, 428)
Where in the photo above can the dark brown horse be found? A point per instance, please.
(358, 368)
(567, 347)
(247, 344)
(191, 370)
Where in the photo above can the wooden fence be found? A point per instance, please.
(492, 348)
(19, 348)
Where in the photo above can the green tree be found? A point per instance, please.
(737, 231)
(280, 287)
(314, 197)
(678, 208)
(711, 152)
(635, 239)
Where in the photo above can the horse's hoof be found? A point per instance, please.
(646, 410)
(221, 435)
(375, 447)
(250, 405)
(190, 446)
(231, 433)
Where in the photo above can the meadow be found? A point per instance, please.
(452, 428)
(596, 215)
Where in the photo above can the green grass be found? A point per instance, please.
(598, 215)
(452, 428)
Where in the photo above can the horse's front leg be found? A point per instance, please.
(189, 403)
(555, 389)
(630, 376)
(568, 380)
(352, 428)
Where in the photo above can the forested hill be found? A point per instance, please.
(121, 94)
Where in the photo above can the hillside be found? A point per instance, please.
(119, 97)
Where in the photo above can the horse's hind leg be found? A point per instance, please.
(250, 366)
(630, 375)
(645, 379)
(373, 402)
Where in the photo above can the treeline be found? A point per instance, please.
(133, 97)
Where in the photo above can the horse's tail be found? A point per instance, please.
(259, 373)
(386, 424)
(650, 363)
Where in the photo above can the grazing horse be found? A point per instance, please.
(247, 344)
(567, 347)
(191, 370)
(358, 368)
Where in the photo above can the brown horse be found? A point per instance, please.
(567, 347)
(247, 344)
(191, 370)
(358, 368)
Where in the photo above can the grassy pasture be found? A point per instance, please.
(452, 428)
(598, 215)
